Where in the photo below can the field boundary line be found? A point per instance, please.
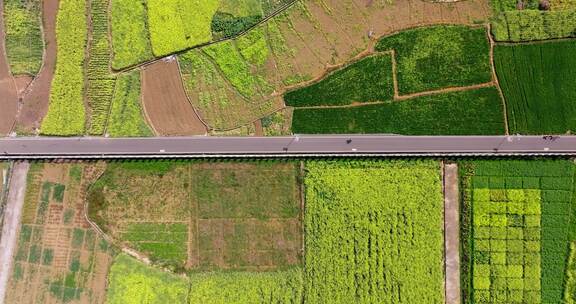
(143, 104)
(495, 78)
(273, 14)
(406, 97)
(451, 233)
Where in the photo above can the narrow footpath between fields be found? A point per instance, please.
(12, 216)
(452, 233)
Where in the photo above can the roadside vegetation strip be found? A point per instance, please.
(375, 220)
(368, 80)
(285, 287)
(126, 115)
(66, 113)
(177, 25)
(539, 85)
(133, 282)
(474, 112)
(100, 81)
(517, 226)
(130, 37)
(24, 43)
(436, 57)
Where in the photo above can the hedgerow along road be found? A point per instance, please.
(291, 146)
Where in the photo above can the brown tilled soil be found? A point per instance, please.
(22, 83)
(331, 33)
(37, 97)
(166, 103)
(8, 95)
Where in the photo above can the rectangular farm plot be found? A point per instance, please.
(374, 232)
(473, 112)
(59, 258)
(538, 83)
(437, 57)
(203, 215)
(517, 219)
(506, 244)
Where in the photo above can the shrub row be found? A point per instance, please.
(100, 86)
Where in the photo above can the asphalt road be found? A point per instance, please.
(86, 147)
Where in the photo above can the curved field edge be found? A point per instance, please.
(66, 113)
(131, 281)
(24, 42)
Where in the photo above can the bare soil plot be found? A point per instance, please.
(36, 98)
(8, 94)
(166, 103)
(22, 83)
(203, 216)
(60, 258)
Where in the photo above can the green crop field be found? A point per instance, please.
(177, 25)
(126, 115)
(233, 66)
(284, 287)
(201, 215)
(517, 227)
(66, 114)
(474, 112)
(130, 36)
(539, 85)
(367, 80)
(375, 220)
(437, 57)
(24, 44)
(133, 282)
(529, 25)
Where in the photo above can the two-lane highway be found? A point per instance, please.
(294, 146)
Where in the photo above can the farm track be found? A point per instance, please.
(8, 90)
(11, 224)
(451, 233)
(36, 98)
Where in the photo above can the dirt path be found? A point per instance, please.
(9, 236)
(452, 233)
(8, 90)
(37, 97)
